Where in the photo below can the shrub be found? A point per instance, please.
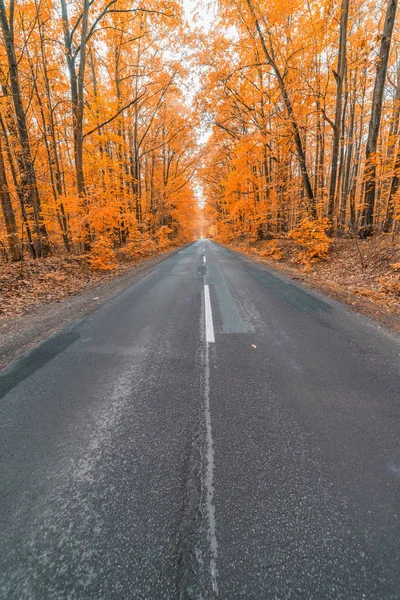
(163, 241)
(102, 255)
(311, 240)
(148, 245)
(272, 250)
(130, 251)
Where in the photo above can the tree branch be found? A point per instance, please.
(109, 10)
(113, 117)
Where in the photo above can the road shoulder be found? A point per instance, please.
(385, 316)
(23, 333)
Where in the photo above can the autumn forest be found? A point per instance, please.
(199, 299)
(128, 126)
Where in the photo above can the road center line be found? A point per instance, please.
(204, 259)
(208, 481)
(209, 478)
(210, 339)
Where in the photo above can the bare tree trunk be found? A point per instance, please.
(137, 192)
(349, 152)
(100, 143)
(339, 76)
(8, 212)
(367, 216)
(51, 143)
(393, 139)
(394, 187)
(61, 217)
(80, 180)
(341, 207)
(321, 166)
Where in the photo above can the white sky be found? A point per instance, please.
(202, 10)
(199, 13)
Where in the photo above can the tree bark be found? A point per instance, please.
(367, 216)
(20, 193)
(51, 144)
(80, 180)
(393, 140)
(289, 108)
(394, 188)
(339, 76)
(77, 98)
(28, 175)
(349, 152)
(8, 212)
(55, 179)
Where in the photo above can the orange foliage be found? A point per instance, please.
(102, 256)
(112, 135)
(311, 240)
(116, 124)
(271, 72)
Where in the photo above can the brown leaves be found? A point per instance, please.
(35, 282)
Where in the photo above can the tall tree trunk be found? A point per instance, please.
(8, 212)
(393, 140)
(339, 76)
(51, 142)
(61, 217)
(341, 207)
(100, 132)
(28, 175)
(289, 108)
(137, 192)
(367, 216)
(349, 151)
(8, 118)
(77, 98)
(79, 109)
(394, 188)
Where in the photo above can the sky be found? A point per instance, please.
(203, 10)
(199, 13)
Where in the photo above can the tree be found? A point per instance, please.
(339, 76)
(289, 107)
(367, 217)
(28, 175)
(8, 212)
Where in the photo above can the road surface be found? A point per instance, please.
(214, 431)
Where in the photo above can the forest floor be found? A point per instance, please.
(365, 274)
(40, 297)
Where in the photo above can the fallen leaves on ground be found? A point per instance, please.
(363, 273)
(33, 282)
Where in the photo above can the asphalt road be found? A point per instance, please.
(214, 431)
